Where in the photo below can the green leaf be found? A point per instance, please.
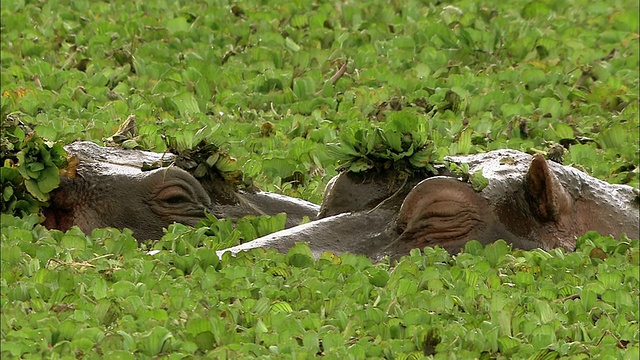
(534, 9)
(378, 277)
(495, 252)
(7, 193)
(260, 327)
(303, 87)
(13, 256)
(524, 279)
(198, 325)
(610, 280)
(48, 180)
(247, 229)
(35, 167)
(34, 189)
(311, 342)
(281, 306)
(582, 154)
(226, 163)
(478, 181)
(394, 140)
(207, 258)
(563, 131)
(105, 312)
(300, 256)
(291, 45)
(360, 165)
(299, 21)
(211, 160)
(550, 106)
(130, 144)
(473, 247)
(588, 299)
(507, 343)
(261, 307)
(342, 151)
(464, 143)
(533, 77)
(205, 341)
(177, 25)
(614, 137)
(99, 289)
(332, 341)
(407, 287)
(119, 355)
(73, 240)
(269, 224)
(186, 104)
(155, 341)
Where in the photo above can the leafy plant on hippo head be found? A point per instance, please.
(30, 168)
(399, 143)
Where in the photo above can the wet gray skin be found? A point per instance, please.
(529, 202)
(143, 202)
(111, 190)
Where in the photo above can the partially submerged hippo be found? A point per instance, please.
(110, 189)
(529, 202)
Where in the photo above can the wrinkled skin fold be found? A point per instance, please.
(529, 203)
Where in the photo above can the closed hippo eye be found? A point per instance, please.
(444, 219)
(439, 211)
(177, 199)
(177, 196)
(174, 199)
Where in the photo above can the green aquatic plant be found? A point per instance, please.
(399, 143)
(30, 168)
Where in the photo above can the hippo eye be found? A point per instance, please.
(439, 211)
(177, 199)
(174, 195)
(445, 220)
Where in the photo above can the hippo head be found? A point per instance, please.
(145, 204)
(447, 212)
(110, 190)
(530, 210)
(529, 202)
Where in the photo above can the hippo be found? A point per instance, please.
(109, 188)
(529, 202)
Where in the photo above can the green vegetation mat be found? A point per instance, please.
(71, 295)
(293, 91)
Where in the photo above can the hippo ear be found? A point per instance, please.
(545, 194)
